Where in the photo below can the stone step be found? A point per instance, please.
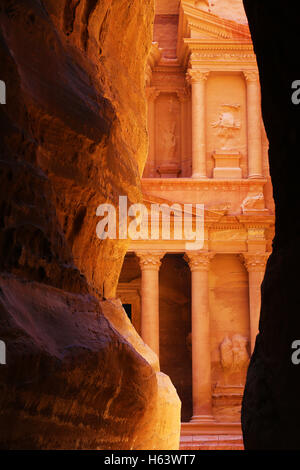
(212, 442)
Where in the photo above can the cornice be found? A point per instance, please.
(256, 220)
(212, 44)
(201, 52)
(203, 184)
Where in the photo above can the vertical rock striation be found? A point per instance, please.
(73, 136)
(271, 410)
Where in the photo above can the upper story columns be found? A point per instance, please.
(254, 124)
(198, 80)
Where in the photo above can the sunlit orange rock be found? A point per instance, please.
(73, 135)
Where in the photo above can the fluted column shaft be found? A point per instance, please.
(201, 354)
(254, 125)
(198, 80)
(150, 264)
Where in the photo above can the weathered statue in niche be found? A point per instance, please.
(234, 359)
(169, 165)
(227, 126)
(170, 142)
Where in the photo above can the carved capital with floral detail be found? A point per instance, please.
(198, 260)
(150, 260)
(196, 76)
(251, 75)
(255, 261)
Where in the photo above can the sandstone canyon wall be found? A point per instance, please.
(73, 135)
(271, 410)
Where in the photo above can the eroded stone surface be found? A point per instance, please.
(73, 135)
(73, 381)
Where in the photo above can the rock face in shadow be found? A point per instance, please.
(73, 136)
(271, 410)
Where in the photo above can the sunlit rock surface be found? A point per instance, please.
(77, 380)
(73, 135)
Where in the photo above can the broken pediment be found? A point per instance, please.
(196, 21)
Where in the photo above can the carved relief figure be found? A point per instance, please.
(227, 124)
(168, 128)
(226, 353)
(234, 354)
(170, 142)
(253, 202)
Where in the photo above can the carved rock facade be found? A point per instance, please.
(73, 135)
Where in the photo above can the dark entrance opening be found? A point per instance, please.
(128, 310)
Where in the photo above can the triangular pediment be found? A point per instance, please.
(195, 22)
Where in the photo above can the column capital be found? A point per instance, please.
(152, 93)
(255, 262)
(251, 75)
(150, 260)
(196, 76)
(198, 260)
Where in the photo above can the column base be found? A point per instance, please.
(202, 419)
(255, 177)
(198, 176)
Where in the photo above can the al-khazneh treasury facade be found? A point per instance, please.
(199, 310)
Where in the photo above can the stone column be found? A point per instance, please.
(254, 124)
(256, 265)
(152, 94)
(150, 264)
(201, 355)
(198, 80)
